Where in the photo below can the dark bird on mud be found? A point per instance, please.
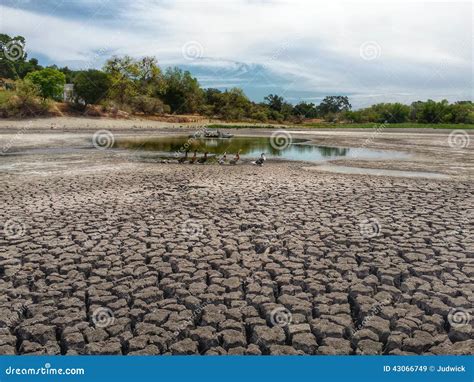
(203, 159)
(259, 161)
(223, 159)
(193, 159)
(183, 159)
(236, 158)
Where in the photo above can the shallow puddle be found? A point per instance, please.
(252, 147)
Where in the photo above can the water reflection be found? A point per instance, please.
(300, 149)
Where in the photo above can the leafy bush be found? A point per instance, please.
(5, 95)
(50, 82)
(148, 105)
(431, 111)
(182, 91)
(460, 112)
(331, 117)
(386, 112)
(259, 116)
(24, 102)
(91, 86)
(305, 110)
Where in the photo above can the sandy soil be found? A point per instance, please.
(101, 253)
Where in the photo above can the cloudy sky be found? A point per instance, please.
(371, 51)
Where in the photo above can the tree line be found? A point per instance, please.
(140, 86)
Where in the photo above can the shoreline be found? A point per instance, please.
(91, 123)
(428, 150)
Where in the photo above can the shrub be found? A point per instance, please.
(259, 116)
(91, 86)
(461, 112)
(148, 105)
(331, 117)
(431, 111)
(5, 95)
(50, 82)
(25, 102)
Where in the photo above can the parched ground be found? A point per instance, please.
(104, 254)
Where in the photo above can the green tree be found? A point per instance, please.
(460, 112)
(274, 102)
(388, 112)
(396, 113)
(26, 101)
(432, 111)
(182, 93)
(305, 110)
(12, 55)
(13, 63)
(234, 105)
(212, 96)
(334, 104)
(69, 73)
(150, 79)
(49, 81)
(91, 86)
(25, 67)
(123, 72)
(132, 78)
(212, 101)
(414, 109)
(279, 108)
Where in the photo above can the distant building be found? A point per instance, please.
(68, 93)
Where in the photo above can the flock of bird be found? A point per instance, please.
(222, 160)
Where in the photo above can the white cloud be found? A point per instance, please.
(425, 47)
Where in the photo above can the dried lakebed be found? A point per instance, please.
(100, 254)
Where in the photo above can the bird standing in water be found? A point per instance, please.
(203, 159)
(236, 158)
(183, 159)
(222, 159)
(259, 161)
(193, 159)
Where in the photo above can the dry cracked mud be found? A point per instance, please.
(108, 256)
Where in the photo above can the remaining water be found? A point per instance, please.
(251, 147)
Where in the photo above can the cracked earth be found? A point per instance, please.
(102, 255)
